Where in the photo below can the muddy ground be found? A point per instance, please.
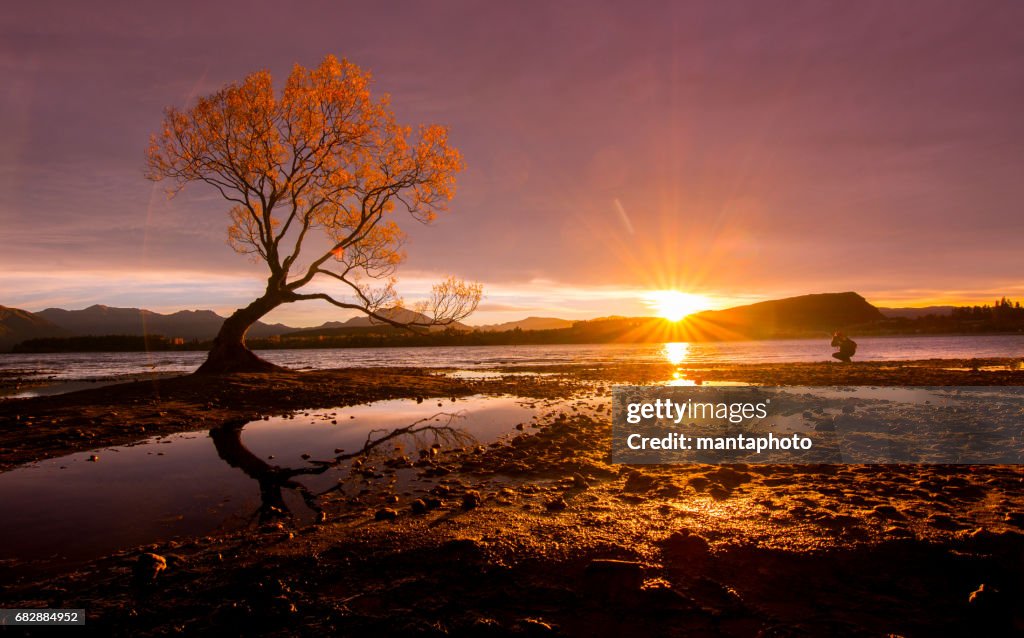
(542, 535)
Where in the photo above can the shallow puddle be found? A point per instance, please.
(72, 508)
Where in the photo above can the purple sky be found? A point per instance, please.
(738, 150)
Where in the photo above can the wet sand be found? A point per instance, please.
(542, 535)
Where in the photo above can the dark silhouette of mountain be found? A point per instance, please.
(100, 320)
(914, 313)
(18, 325)
(530, 323)
(364, 322)
(793, 316)
(188, 324)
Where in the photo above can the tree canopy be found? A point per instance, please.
(314, 178)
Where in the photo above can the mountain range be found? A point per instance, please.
(188, 324)
(18, 325)
(818, 312)
(402, 315)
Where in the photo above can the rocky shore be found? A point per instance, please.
(540, 534)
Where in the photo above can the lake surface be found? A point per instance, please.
(84, 366)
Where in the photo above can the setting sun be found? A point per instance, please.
(674, 305)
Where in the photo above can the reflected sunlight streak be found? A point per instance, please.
(675, 353)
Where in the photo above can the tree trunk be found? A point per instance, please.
(229, 353)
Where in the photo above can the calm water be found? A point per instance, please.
(76, 366)
(71, 509)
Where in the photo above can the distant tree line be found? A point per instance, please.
(595, 331)
(1003, 311)
(106, 343)
(1004, 316)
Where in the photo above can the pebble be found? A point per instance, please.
(613, 578)
(471, 499)
(386, 514)
(683, 546)
(148, 566)
(982, 596)
(536, 627)
(556, 505)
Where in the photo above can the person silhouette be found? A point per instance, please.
(847, 346)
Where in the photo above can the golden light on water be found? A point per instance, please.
(674, 305)
(675, 353)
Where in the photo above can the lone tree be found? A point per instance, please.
(323, 167)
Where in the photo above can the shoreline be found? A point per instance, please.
(37, 428)
(514, 340)
(542, 535)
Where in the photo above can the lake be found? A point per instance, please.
(101, 365)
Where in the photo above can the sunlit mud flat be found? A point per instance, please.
(87, 504)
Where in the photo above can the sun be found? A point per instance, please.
(674, 305)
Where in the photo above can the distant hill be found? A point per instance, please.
(914, 313)
(403, 315)
(100, 320)
(18, 325)
(530, 323)
(784, 317)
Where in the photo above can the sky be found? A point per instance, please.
(738, 150)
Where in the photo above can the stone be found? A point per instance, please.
(684, 547)
(612, 578)
(471, 499)
(385, 514)
(982, 597)
(638, 482)
(148, 566)
(556, 505)
(536, 627)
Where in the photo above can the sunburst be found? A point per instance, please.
(675, 305)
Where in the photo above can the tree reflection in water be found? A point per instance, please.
(425, 435)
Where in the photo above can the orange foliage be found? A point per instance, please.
(323, 158)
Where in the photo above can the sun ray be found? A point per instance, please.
(675, 305)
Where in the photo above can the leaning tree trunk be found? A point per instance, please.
(229, 352)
